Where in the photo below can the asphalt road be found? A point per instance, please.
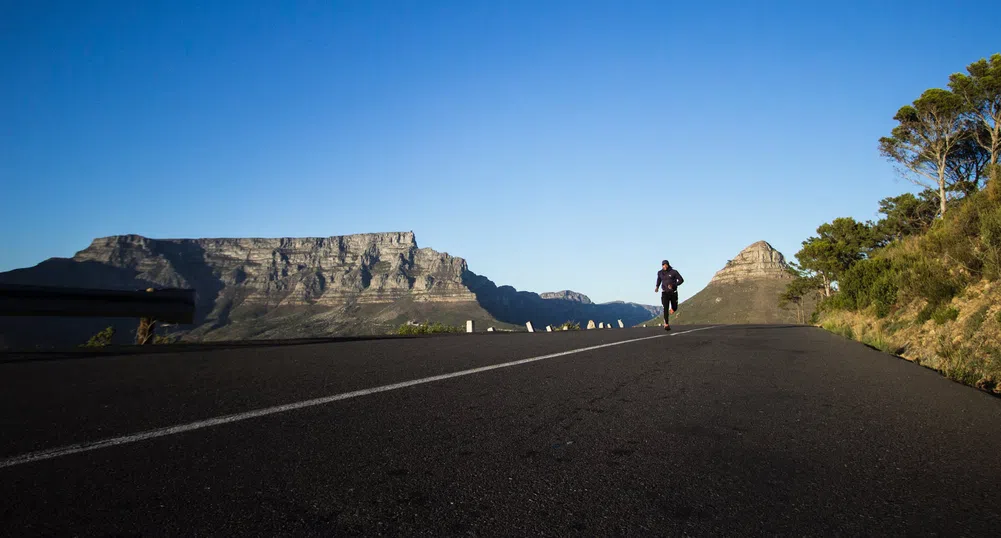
(727, 431)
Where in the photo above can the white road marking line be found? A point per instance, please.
(694, 330)
(217, 421)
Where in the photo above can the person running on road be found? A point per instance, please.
(668, 279)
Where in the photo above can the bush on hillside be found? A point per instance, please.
(927, 278)
(164, 339)
(102, 338)
(944, 314)
(975, 321)
(871, 282)
(989, 251)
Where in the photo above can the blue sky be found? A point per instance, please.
(553, 144)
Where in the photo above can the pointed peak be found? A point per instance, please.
(759, 245)
(757, 260)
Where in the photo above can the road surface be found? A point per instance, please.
(720, 431)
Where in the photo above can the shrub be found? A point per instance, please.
(925, 313)
(838, 301)
(950, 238)
(162, 340)
(428, 328)
(929, 279)
(989, 252)
(997, 316)
(892, 327)
(102, 338)
(871, 282)
(944, 314)
(976, 320)
(568, 326)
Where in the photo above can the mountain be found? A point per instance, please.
(745, 290)
(253, 288)
(567, 295)
(652, 310)
(573, 296)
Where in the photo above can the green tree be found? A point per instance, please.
(966, 167)
(927, 133)
(797, 291)
(981, 93)
(837, 246)
(905, 215)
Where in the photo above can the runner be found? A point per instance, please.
(668, 279)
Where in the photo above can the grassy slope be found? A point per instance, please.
(967, 349)
(950, 273)
(753, 301)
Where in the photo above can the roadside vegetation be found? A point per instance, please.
(102, 339)
(427, 328)
(924, 281)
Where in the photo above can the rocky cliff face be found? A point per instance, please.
(365, 268)
(567, 295)
(758, 260)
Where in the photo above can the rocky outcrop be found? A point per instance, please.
(567, 295)
(758, 260)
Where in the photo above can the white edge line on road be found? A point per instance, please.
(217, 421)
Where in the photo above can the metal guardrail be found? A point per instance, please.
(166, 305)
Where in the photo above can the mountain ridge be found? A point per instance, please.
(295, 287)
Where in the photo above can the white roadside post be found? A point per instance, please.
(490, 329)
(529, 325)
(549, 328)
(601, 325)
(469, 325)
(590, 324)
(621, 325)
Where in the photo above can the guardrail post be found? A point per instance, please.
(529, 325)
(590, 324)
(621, 325)
(469, 325)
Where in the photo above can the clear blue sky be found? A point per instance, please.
(553, 144)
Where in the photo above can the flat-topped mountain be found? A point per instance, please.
(294, 287)
(567, 295)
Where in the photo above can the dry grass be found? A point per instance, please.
(963, 342)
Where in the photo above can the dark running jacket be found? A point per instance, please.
(670, 279)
